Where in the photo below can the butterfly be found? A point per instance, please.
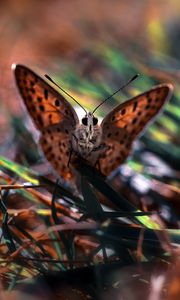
(63, 137)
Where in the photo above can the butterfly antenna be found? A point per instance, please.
(122, 87)
(50, 79)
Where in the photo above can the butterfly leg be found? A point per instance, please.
(70, 155)
(104, 147)
(75, 137)
(72, 148)
(100, 147)
(97, 165)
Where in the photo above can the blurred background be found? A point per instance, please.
(90, 48)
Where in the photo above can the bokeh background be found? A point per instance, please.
(91, 48)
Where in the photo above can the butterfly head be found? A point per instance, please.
(89, 125)
(89, 120)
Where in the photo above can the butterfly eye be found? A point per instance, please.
(95, 121)
(84, 121)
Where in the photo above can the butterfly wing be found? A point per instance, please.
(52, 114)
(122, 125)
(56, 145)
(44, 104)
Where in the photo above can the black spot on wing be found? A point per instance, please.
(57, 102)
(41, 107)
(39, 99)
(39, 119)
(135, 105)
(123, 111)
(46, 94)
(134, 121)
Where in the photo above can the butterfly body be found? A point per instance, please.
(87, 137)
(106, 145)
